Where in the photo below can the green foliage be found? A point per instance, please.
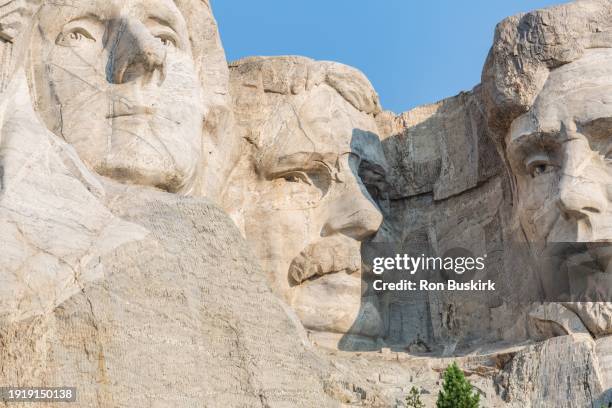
(413, 400)
(456, 390)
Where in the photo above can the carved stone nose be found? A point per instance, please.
(577, 200)
(353, 214)
(136, 54)
(578, 195)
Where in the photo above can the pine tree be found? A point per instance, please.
(413, 400)
(456, 390)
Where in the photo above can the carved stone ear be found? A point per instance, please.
(15, 18)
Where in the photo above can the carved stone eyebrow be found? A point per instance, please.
(89, 20)
(537, 137)
(525, 138)
(89, 16)
(161, 13)
(526, 144)
(163, 22)
(167, 18)
(297, 161)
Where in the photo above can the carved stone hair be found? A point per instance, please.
(292, 75)
(528, 46)
(15, 21)
(206, 47)
(219, 149)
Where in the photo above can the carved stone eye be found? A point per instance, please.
(307, 186)
(539, 164)
(298, 177)
(539, 168)
(74, 37)
(167, 41)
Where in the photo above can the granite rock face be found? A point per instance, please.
(135, 295)
(157, 330)
(182, 233)
(447, 190)
(460, 178)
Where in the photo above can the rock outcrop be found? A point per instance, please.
(177, 232)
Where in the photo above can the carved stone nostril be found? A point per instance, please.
(591, 210)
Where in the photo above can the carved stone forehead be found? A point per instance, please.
(328, 115)
(59, 11)
(319, 124)
(575, 93)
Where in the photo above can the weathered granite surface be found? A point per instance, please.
(135, 295)
(157, 329)
(522, 158)
(119, 278)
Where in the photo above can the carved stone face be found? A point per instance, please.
(309, 210)
(561, 156)
(116, 79)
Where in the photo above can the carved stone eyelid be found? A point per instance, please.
(536, 158)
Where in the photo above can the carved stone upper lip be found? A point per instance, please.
(120, 110)
(327, 256)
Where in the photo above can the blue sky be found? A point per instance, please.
(413, 52)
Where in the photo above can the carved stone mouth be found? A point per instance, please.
(327, 256)
(314, 272)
